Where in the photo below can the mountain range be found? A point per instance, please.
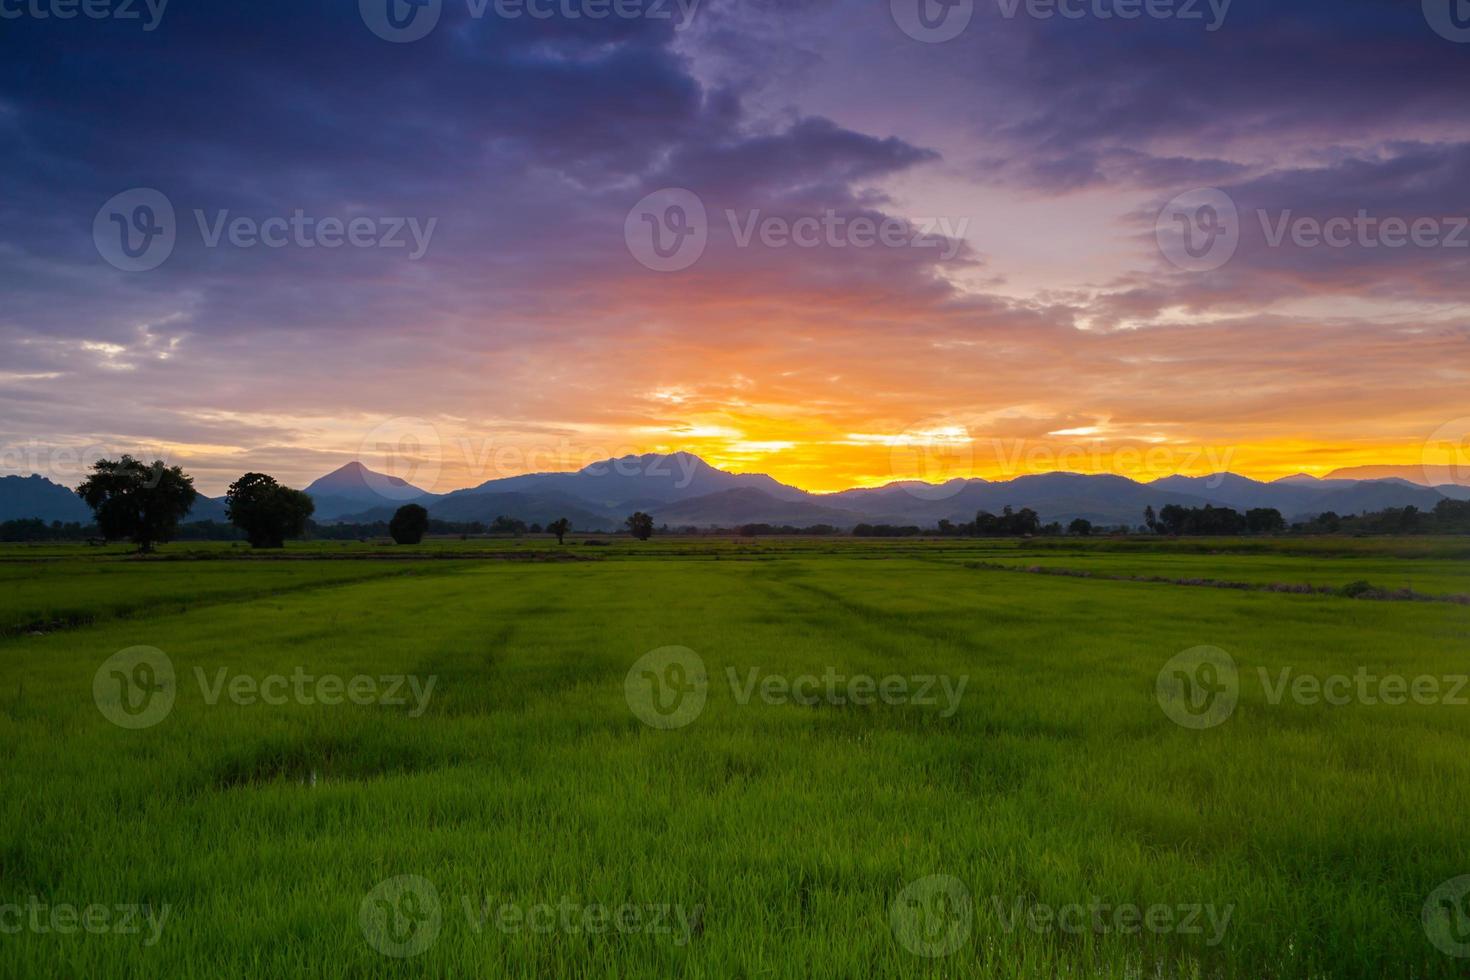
(682, 490)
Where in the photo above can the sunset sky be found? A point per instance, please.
(1037, 324)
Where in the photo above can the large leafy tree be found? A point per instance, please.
(641, 525)
(409, 524)
(267, 512)
(560, 527)
(138, 501)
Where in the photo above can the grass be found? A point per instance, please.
(778, 835)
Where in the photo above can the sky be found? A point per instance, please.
(842, 242)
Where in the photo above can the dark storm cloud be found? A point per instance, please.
(523, 140)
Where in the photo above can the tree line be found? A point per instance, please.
(145, 503)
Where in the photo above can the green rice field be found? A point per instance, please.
(735, 758)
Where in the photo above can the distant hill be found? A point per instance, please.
(533, 508)
(354, 488)
(27, 497)
(681, 489)
(208, 509)
(748, 505)
(1303, 497)
(1424, 476)
(642, 481)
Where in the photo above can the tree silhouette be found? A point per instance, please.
(136, 501)
(641, 525)
(267, 512)
(409, 524)
(560, 528)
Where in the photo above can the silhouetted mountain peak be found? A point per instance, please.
(355, 476)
